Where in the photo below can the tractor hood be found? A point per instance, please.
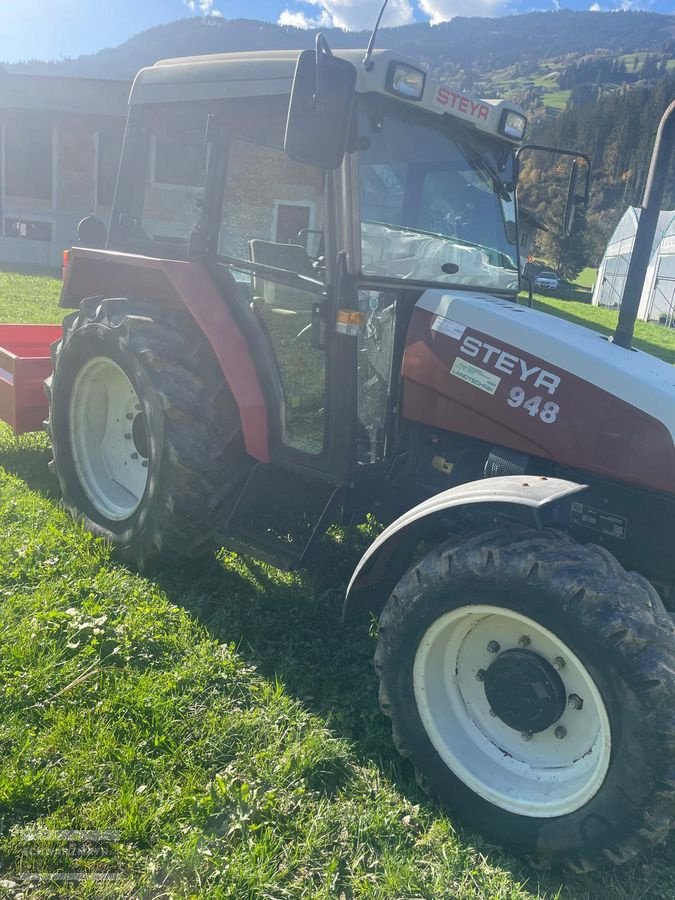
(516, 377)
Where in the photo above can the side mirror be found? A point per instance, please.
(320, 111)
(573, 198)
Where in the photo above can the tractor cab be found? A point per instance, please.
(319, 261)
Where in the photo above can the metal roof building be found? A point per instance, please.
(60, 141)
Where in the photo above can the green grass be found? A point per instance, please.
(29, 298)
(587, 276)
(556, 99)
(651, 338)
(641, 55)
(219, 719)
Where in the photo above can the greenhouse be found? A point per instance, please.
(657, 302)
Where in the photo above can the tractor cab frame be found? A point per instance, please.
(317, 268)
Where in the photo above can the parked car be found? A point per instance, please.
(548, 281)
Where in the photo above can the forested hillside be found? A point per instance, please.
(617, 132)
(474, 46)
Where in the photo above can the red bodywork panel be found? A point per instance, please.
(593, 430)
(179, 284)
(25, 362)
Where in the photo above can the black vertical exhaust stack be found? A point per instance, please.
(644, 236)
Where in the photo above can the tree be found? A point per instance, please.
(568, 254)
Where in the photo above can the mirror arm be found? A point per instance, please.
(322, 50)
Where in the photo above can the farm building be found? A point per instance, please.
(60, 142)
(658, 294)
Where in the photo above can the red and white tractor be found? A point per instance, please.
(307, 308)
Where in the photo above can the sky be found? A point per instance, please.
(53, 29)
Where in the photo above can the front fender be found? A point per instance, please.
(387, 558)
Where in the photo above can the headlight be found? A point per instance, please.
(513, 125)
(406, 81)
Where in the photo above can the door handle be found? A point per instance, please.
(318, 323)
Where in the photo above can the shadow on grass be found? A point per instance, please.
(28, 457)
(574, 292)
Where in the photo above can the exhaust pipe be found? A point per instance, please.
(646, 230)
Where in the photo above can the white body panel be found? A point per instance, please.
(631, 375)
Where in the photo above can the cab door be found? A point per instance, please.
(271, 238)
(272, 244)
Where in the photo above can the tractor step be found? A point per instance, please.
(279, 526)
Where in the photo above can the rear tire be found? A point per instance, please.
(560, 785)
(145, 433)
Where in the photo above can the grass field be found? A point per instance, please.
(218, 722)
(556, 99)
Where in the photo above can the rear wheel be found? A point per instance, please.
(145, 433)
(531, 681)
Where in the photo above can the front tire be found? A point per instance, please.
(531, 682)
(145, 433)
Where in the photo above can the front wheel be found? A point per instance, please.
(531, 682)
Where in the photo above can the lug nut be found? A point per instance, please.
(493, 647)
(145, 464)
(138, 407)
(130, 416)
(574, 701)
(134, 455)
(526, 736)
(560, 732)
(493, 713)
(524, 641)
(127, 436)
(558, 663)
(480, 675)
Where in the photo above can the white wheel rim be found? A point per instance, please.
(541, 776)
(108, 438)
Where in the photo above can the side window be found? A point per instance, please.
(273, 217)
(375, 357)
(269, 197)
(173, 193)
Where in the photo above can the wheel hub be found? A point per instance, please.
(525, 691)
(109, 438)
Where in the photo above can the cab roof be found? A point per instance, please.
(220, 76)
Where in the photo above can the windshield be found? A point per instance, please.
(435, 200)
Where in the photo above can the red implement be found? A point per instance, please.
(25, 362)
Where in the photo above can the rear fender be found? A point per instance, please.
(388, 557)
(186, 284)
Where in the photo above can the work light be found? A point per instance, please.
(406, 81)
(513, 124)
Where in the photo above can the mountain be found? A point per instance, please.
(593, 81)
(474, 45)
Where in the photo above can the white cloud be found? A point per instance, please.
(352, 15)
(444, 10)
(631, 5)
(205, 7)
(595, 7)
(301, 20)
